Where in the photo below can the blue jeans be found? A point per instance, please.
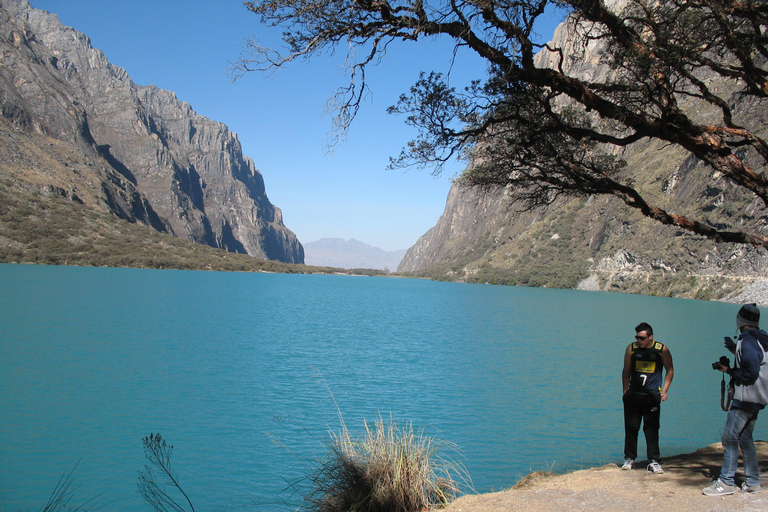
(738, 434)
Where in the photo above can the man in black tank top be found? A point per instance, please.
(644, 389)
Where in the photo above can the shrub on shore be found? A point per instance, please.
(389, 469)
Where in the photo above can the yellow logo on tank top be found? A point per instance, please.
(645, 366)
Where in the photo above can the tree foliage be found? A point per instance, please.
(544, 131)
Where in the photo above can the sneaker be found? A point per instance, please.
(655, 467)
(750, 488)
(718, 488)
(628, 464)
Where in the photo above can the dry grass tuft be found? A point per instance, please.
(390, 469)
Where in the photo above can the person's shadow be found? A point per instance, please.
(699, 468)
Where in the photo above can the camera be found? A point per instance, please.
(723, 361)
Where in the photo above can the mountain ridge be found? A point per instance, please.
(134, 151)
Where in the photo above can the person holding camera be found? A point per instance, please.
(749, 388)
(644, 390)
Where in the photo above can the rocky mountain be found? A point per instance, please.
(597, 242)
(337, 252)
(76, 126)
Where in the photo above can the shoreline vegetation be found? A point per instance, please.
(57, 231)
(394, 468)
(49, 229)
(390, 467)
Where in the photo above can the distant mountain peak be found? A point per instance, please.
(352, 253)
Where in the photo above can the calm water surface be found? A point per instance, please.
(242, 374)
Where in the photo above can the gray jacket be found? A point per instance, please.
(749, 376)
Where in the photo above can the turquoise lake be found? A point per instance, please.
(243, 374)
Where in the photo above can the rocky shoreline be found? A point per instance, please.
(608, 488)
(756, 292)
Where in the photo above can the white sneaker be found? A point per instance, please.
(718, 488)
(655, 467)
(628, 464)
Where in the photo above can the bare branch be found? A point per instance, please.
(663, 64)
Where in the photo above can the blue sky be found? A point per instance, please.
(187, 47)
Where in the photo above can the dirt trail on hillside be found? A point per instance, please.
(608, 488)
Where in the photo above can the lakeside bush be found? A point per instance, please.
(390, 469)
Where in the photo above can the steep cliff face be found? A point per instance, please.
(598, 242)
(141, 153)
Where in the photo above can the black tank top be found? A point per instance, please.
(647, 365)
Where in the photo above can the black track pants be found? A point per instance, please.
(646, 408)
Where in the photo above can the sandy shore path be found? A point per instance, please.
(608, 488)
